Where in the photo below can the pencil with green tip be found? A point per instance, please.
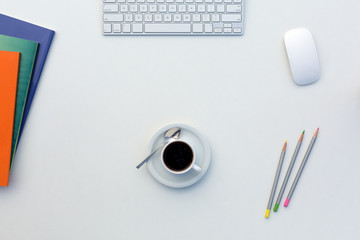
(308, 151)
(276, 179)
(287, 176)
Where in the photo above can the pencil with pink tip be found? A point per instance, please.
(296, 180)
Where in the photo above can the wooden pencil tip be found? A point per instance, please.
(315, 134)
(301, 137)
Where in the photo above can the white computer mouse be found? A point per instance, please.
(302, 55)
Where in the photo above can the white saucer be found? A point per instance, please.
(200, 145)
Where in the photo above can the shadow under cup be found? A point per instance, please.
(178, 157)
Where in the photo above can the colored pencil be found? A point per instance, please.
(288, 172)
(296, 180)
(276, 179)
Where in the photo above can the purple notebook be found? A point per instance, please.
(16, 28)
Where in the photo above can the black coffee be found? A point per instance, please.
(178, 156)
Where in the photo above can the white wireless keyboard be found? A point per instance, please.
(173, 17)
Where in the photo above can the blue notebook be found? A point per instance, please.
(16, 28)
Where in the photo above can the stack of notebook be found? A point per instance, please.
(23, 50)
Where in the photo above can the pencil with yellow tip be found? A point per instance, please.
(276, 179)
(296, 180)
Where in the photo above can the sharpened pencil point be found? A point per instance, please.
(301, 137)
(303, 132)
(286, 202)
(316, 133)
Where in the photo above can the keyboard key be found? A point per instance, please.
(162, 8)
(153, 8)
(109, 1)
(227, 30)
(211, 8)
(172, 8)
(231, 18)
(126, 28)
(208, 28)
(168, 28)
(206, 17)
(109, 17)
(182, 8)
(197, 28)
(137, 28)
(196, 17)
(107, 28)
(186, 18)
(128, 17)
(124, 8)
(108, 8)
(201, 8)
(143, 8)
(191, 8)
(148, 17)
(138, 17)
(177, 17)
(133, 8)
(117, 27)
(220, 8)
(233, 8)
(237, 30)
(215, 17)
(167, 18)
(218, 30)
(157, 18)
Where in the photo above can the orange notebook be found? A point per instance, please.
(9, 68)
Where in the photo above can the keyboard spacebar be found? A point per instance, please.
(167, 28)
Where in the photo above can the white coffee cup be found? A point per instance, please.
(178, 157)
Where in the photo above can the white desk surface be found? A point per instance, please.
(101, 99)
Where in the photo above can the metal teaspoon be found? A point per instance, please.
(172, 133)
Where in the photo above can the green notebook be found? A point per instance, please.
(27, 51)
